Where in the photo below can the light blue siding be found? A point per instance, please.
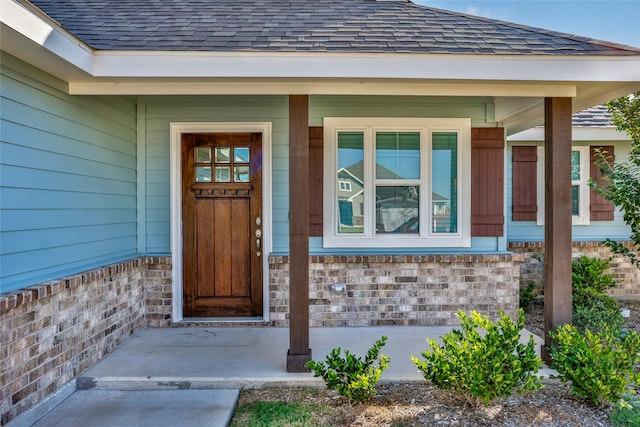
(518, 231)
(67, 178)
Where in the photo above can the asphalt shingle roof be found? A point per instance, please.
(598, 116)
(305, 26)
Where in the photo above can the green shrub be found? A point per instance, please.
(482, 366)
(593, 309)
(527, 294)
(589, 273)
(350, 375)
(600, 366)
(596, 311)
(628, 413)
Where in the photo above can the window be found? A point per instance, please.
(345, 186)
(580, 191)
(396, 182)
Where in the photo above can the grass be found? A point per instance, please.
(627, 416)
(279, 414)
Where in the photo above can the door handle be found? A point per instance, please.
(258, 241)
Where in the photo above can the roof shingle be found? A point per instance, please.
(307, 26)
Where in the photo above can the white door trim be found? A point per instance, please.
(175, 159)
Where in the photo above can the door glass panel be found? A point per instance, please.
(223, 155)
(398, 155)
(444, 178)
(241, 154)
(397, 209)
(351, 178)
(203, 154)
(223, 174)
(241, 173)
(203, 173)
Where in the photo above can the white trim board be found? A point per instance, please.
(176, 131)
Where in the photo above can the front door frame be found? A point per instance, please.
(175, 159)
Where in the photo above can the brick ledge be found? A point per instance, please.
(13, 299)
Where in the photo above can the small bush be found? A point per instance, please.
(352, 377)
(593, 309)
(589, 273)
(527, 294)
(482, 367)
(628, 413)
(597, 312)
(600, 366)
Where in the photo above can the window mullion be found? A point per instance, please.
(369, 183)
(425, 183)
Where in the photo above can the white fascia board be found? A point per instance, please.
(555, 68)
(43, 31)
(577, 134)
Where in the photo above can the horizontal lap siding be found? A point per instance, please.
(67, 181)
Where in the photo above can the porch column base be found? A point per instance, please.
(296, 362)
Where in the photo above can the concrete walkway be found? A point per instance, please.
(191, 376)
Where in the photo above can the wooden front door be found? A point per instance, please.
(222, 224)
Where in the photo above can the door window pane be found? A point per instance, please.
(398, 155)
(241, 154)
(241, 173)
(351, 174)
(444, 177)
(203, 173)
(203, 154)
(223, 174)
(397, 209)
(223, 155)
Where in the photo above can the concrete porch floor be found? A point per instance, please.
(207, 359)
(202, 357)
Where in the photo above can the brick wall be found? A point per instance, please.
(54, 331)
(532, 267)
(398, 290)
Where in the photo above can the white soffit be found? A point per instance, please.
(577, 134)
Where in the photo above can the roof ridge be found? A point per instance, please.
(530, 28)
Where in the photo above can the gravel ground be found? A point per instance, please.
(421, 404)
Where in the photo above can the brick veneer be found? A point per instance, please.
(399, 290)
(54, 331)
(532, 267)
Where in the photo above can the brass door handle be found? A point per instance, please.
(258, 236)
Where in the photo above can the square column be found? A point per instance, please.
(299, 352)
(557, 217)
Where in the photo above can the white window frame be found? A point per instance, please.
(584, 218)
(426, 238)
(345, 185)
